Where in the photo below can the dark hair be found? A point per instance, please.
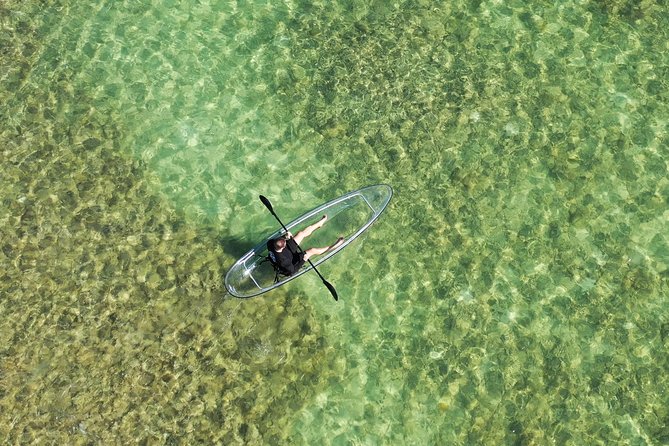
(279, 243)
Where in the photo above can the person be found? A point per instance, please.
(285, 254)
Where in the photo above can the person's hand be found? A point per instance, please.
(289, 235)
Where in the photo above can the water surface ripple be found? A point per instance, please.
(514, 292)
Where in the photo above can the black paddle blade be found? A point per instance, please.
(332, 289)
(266, 202)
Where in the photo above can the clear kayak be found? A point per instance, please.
(348, 216)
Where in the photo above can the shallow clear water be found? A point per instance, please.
(514, 292)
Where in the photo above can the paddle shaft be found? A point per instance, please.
(329, 286)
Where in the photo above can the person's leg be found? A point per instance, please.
(306, 232)
(318, 251)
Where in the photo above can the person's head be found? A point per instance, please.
(279, 244)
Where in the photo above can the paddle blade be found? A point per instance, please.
(332, 289)
(266, 202)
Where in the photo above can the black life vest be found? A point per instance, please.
(271, 257)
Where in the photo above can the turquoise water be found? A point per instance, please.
(514, 292)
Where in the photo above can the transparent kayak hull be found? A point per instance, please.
(348, 216)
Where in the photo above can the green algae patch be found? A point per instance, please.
(115, 322)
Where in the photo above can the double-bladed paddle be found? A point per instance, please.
(329, 286)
